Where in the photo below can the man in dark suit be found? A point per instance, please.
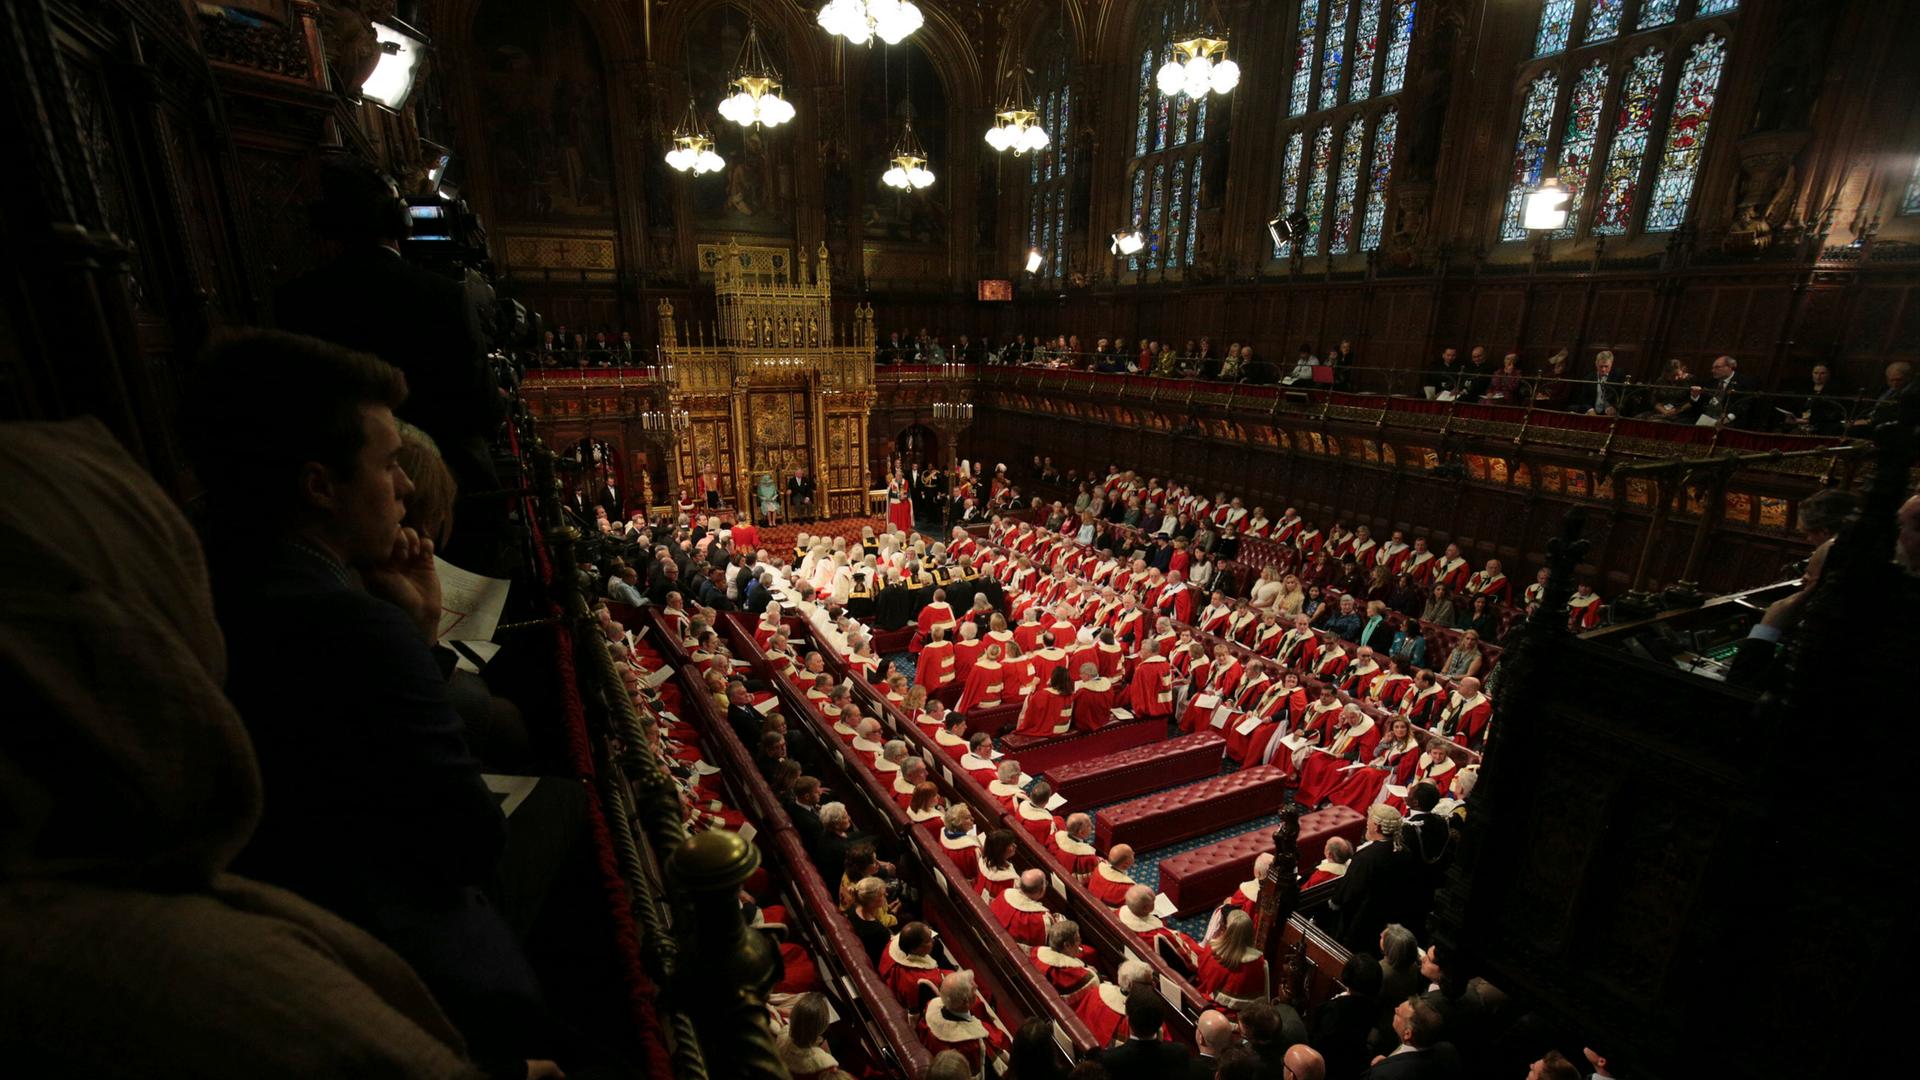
(367, 298)
(1421, 1055)
(742, 717)
(800, 496)
(1341, 1025)
(610, 500)
(830, 850)
(803, 809)
(1728, 397)
(1145, 1056)
(1604, 393)
(1374, 890)
(1271, 1030)
(377, 810)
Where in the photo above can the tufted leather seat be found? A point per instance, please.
(1136, 771)
(1039, 753)
(1168, 817)
(1199, 879)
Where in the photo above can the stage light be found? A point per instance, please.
(401, 50)
(1546, 206)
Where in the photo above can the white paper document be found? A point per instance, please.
(1056, 802)
(470, 604)
(766, 707)
(1245, 727)
(1163, 907)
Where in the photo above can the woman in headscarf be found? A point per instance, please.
(127, 949)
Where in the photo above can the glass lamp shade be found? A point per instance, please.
(1225, 76)
(1546, 207)
(999, 137)
(1035, 261)
(1172, 78)
(1036, 138)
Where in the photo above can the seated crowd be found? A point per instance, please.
(1392, 871)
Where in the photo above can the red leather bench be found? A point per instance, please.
(1137, 771)
(995, 720)
(1199, 879)
(1168, 817)
(1039, 753)
(892, 641)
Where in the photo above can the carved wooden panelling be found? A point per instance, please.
(590, 252)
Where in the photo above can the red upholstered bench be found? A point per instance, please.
(994, 721)
(892, 641)
(1142, 769)
(1038, 753)
(1199, 879)
(1168, 817)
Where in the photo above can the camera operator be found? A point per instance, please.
(367, 298)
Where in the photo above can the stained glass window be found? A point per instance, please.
(1182, 114)
(1632, 125)
(1059, 250)
(1910, 202)
(1686, 135)
(1530, 150)
(1139, 209)
(1366, 42)
(1303, 57)
(1657, 13)
(1163, 106)
(1059, 134)
(1290, 186)
(1576, 144)
(1316, 202)
(1033, 222)
(1603, 19)
(1047, 169)
(1335, 53)
(1383, 137)
(1200, 120)
(1717, 7)
(1193, 213)
(1176, 212)
(1346, 193)
(1147, 87)
(1155, 241)
(1399, 43)
(1556, 23)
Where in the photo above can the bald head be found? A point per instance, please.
(1033, 884)
(1120, 856)
(1261, 865)
(1214, 1032)
(1140, 901)
(1303, 1062)
(868, 729)
(1079, 826)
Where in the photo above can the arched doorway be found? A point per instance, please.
(591, 468)
(916, 447)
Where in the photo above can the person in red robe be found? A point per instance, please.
(1021, 911)
(1093, 699)
(1016, 668)
(1062, 963)
(1278, 706)
(1150, 692)
(1104, 1011)
(1466, 715)
(1451, 570)
(1176, 598)
(978, 760)
(948, 1023)
(1352, 740)
(1229, 969)
(986, 683)
(935, 668)
(907, 963)
(1048, 711)
(1138, 917)
(1246, 895)
(996, 863)
(1338, 854)
(1391, 763)
(1009, 784)
(1583, 608)
(936, 613)
(1029, 631)
(1491, 582)
(1032, 813)
(1049, 658)
(1109, 883)
(1073, 846)
(959, 840)
(967, 650)
(1313, 726)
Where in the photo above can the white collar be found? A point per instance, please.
(1018, 901)
(1045, 955)
(1028, 810)
(1337, 869)
(924, 963)
(1068, 844)
(949, 1030)
(970, 840)
(1139, 924)
(1118, 877)
(971, 762)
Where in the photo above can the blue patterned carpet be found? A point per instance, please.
(902, 662)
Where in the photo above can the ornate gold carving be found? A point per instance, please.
(592, 253)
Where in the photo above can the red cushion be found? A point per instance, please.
(1168, 817)
(1199, 879)
(1043, 753)
(1138, 770)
